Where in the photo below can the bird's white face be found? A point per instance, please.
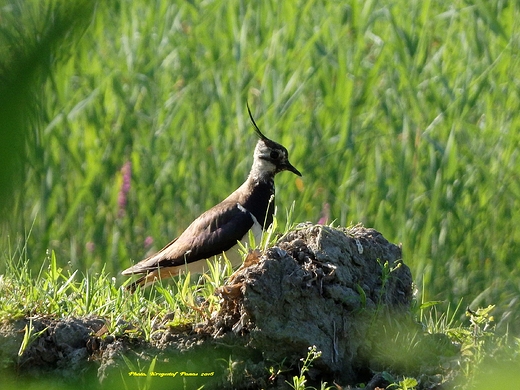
(271, 158)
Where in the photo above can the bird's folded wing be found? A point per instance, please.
(214, 232)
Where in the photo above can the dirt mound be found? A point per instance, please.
(319, 286)
(58, 348)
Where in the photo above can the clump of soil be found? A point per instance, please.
(60, 348)
(319, 286)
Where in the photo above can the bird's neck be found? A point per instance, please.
(258, 195)
(262, 170)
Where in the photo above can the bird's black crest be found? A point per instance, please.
(257, 130)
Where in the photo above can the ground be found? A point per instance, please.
(347, 292)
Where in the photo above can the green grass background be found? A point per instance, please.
(401, 114)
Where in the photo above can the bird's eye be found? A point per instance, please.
(275, 154)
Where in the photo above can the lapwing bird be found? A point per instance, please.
(219, 229)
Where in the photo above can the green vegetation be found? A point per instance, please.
(473, 352)
(299, 381)
(58, 293)
(400, 114)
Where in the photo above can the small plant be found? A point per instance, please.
(404, 384)
(299, 381)
(477, 339)
(29, 337)
(386, 272)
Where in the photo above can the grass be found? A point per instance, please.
(400, 348)
(404, 121)
(402, 115)
(60, 294)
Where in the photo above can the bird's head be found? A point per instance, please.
(270, 157)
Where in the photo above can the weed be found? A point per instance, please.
(29, 337)
(299, 381)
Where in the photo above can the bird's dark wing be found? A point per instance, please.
(214, 232)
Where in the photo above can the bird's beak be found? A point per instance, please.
(288, 167)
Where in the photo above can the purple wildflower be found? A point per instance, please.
(126, 172)
(148, 241)
(325, 214)
(90, 246)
